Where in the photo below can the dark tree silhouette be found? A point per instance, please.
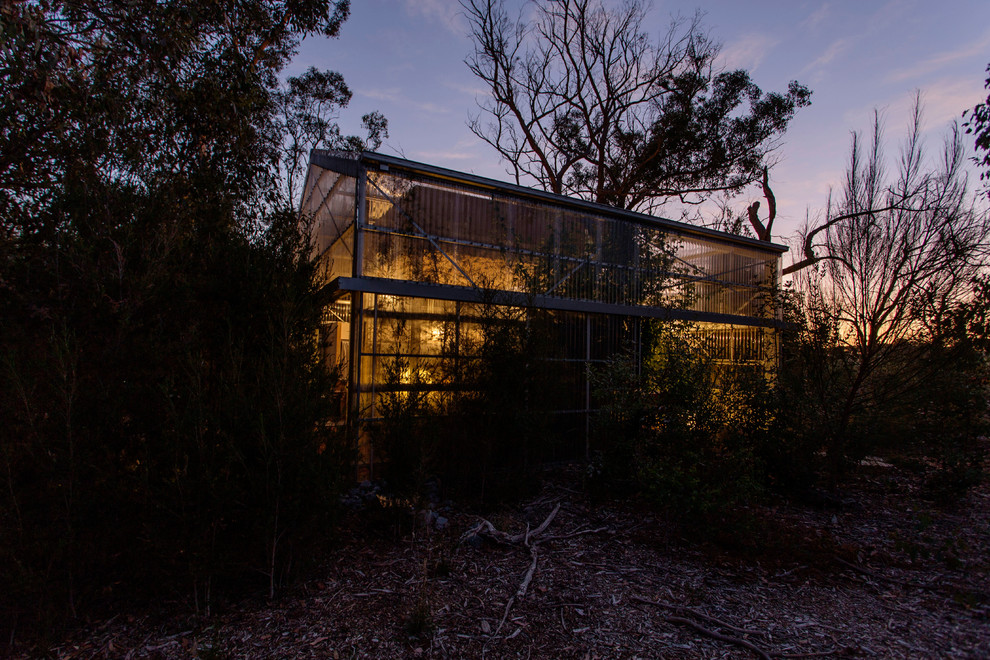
(898, 253)
(978, 124)
(584, 102)
(164, 422)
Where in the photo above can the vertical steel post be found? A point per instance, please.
(587, 387)
(357, 320)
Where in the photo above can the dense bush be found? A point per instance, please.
(406, 436)
(684, 429)
(477, 422)
(928, 396)
(165, 424)
(174, 433)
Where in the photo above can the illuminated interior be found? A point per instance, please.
(412, 255)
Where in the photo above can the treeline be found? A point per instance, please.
(165, 427)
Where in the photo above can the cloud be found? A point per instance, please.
(942, 102)
(469, 90)
(466, 143)
(393, 95)
(834, 50)
(816, 18)
(973, 49)
(441, 156)
(945, 100)
(462, 149)
(809, 186)
(445, 12)
(748, 51)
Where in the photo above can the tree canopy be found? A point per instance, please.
(583, 101)
(164, 418)
(978, 124)
(145, 94)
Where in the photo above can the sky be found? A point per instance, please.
(405, 58)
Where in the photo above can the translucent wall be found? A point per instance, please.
(379, 229)
(439, 232)
(432, 345)
(329, 203)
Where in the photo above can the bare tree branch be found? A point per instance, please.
(584, 102)
(897, 250)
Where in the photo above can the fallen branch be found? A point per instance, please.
(488, 531)
(530, 542)
(528, 577)
(699, 615)
(719, 636)
(904, 583)
(546, 523)
(505, 615)
(520, 592)
(579, 532)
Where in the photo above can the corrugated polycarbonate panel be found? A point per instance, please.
(439, 232)
(330, 204)
(338, 259)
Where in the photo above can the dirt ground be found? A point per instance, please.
(882, 572)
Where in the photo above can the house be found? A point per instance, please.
(414, 254)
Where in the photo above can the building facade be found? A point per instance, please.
(416, 257)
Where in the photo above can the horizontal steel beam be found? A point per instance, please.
(341, 285)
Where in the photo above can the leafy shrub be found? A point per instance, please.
(406, 435)
(481, 429)
(684, 430)
(177, 435)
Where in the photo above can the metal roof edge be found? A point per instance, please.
(347, 163)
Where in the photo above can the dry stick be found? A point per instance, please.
(505, 615)
(699, 615)
(524, 585)
(539, 530)
(520, 592)
(878, 576)
(580, 532)
(528, 577)
(488, 530)
(722, 638)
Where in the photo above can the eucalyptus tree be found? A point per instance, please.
(308, 109)
(163, 416)
(978, 124)
(583, 101)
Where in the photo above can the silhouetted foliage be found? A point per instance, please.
(683, 428)
(503, 428)
(897, 257)
(978, 124)
(308, 107)
(584, 102)
(477, 419)
(165, 424)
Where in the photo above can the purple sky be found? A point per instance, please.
(405, 58)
